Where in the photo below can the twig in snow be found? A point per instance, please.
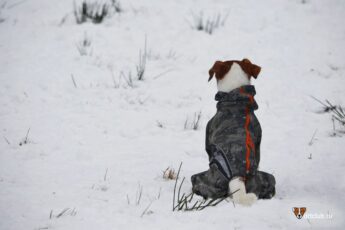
(128, 202)
(7, 140)
(105, 175)
(144, 212)
(141, 67)
(208, 24)
(74, 83)
(128, 78)
(84, 46)
(94, 11)
(139, 194)
(195, 123)
(26, 138)
(71, 212)
(310, 156)
(116, 84)
(62, 212)
(312, 138)
(334, 133)
(63, 20)
(179, 189)
(163, 73)
(178, 173)
(184, 202)
(159, 193)
(160, 125)
(338, 113)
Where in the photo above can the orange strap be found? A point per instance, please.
(249, 141)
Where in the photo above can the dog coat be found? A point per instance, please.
(233, 138)
(233, 135)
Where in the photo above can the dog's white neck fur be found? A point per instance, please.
(235, 78)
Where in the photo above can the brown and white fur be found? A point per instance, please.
(231, 75)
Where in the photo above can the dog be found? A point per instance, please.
(233, 138)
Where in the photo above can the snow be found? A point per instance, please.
(92, 146)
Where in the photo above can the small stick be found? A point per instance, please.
(146, 209)
(163, 73)
(178, 173)
(51, 214)
(179, 190)
(7, 140)
(195, 205)
(206, 205)
(319, 101)
(61, 213)
(201, 203)
(333, 108)
(74, 83)
(333, 126)
(182, 201)
(159, 193)
(105, 175)
(220, 200)
(26, 137)
(310, 156)
(312, 138)
(73, 212)
(128, 199)
(140, 194)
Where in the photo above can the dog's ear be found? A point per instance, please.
(219, 68)
(251, 69)
(303, 210)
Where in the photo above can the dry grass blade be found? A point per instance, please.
(139, 194)
(178, 173)
(7, 141)
(179, 190)
(312, 138)
(338, 112)
(62, 212)
(147, 208)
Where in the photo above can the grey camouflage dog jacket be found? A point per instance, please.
(233, 138)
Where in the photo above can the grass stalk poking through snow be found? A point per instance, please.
(195, 123)
(84, 46)
(95, 11)
(141, 67)
(337, 111)
(25, 141)
(184, 202)
(208, 24)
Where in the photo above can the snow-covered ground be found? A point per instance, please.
(96, 142)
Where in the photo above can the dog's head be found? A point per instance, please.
(299, 212)
(220, 69)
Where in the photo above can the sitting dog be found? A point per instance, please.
(233, 138)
